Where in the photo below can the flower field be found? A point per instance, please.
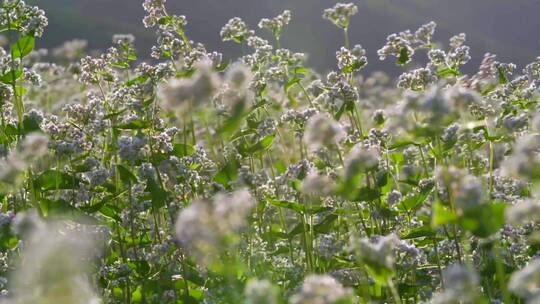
(193, 178)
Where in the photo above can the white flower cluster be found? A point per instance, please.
(203, 226)
(341, 14)
(276, 24)
(321, 289)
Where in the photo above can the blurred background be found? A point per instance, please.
(508, 28)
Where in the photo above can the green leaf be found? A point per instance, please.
(7, 239)
(403, 56)
(111, 211)
(379, 273)
(182, 150)
(29, 125)
(134, 125)
(325, 226)
(228, 173)
(367, 194)
(442, 215)
(158, 195)
(483, 220)
(291, 83)
(11, 76)
(53, 180)
(413, 202)
(60, 209)
(340, 112)
(96, 207)
(448, 72)
(419, 232)
(296, 207)
(400, 144)
(137, 80)
(260, 146)
(23, 46)
(233, 122)
(126, 176)
(502, 76)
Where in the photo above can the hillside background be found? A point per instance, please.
(509, 28)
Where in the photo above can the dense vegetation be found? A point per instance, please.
(190, 179)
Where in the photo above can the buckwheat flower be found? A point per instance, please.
(535, 123)
(408, 255)
(35, 145)
(317, 185)
(340, 14)
(276, 24)
(461, 286)
(470, 192)
(450, 135)
(95, 69)
(434, 103)
(361, 158)
(32, 20)
(233, 209)
(514, 123)
(437, 57)
(459, 56)
(526, 282)
(378, 117)
(32, 76)
(155, 10)
(197, 231)
(525, 158)
(322, 131)
(523, 212)
(486, 68)
(236, 30)
(71, 50)
(239, 77)
(349, 276)
(97, 177)
(176, 92)
(35, 116)
(131, 148)
(397, 46)
(55, 267)
(417, 80)
(321, 289)
(351, 60)
(181, 94)
(424, 34)
(260, 292)
(205, 225)
(462, 100)
(123, 39)
(377, 251)
(24, 223)
(329, 245)
(277, 73)
(466, 189)
(503, 71)
(532, 70)
(6, 92)
(267, 127)
(150, 5)
(457, 41)
(205, 82)
(393, 197)
(341, 93)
